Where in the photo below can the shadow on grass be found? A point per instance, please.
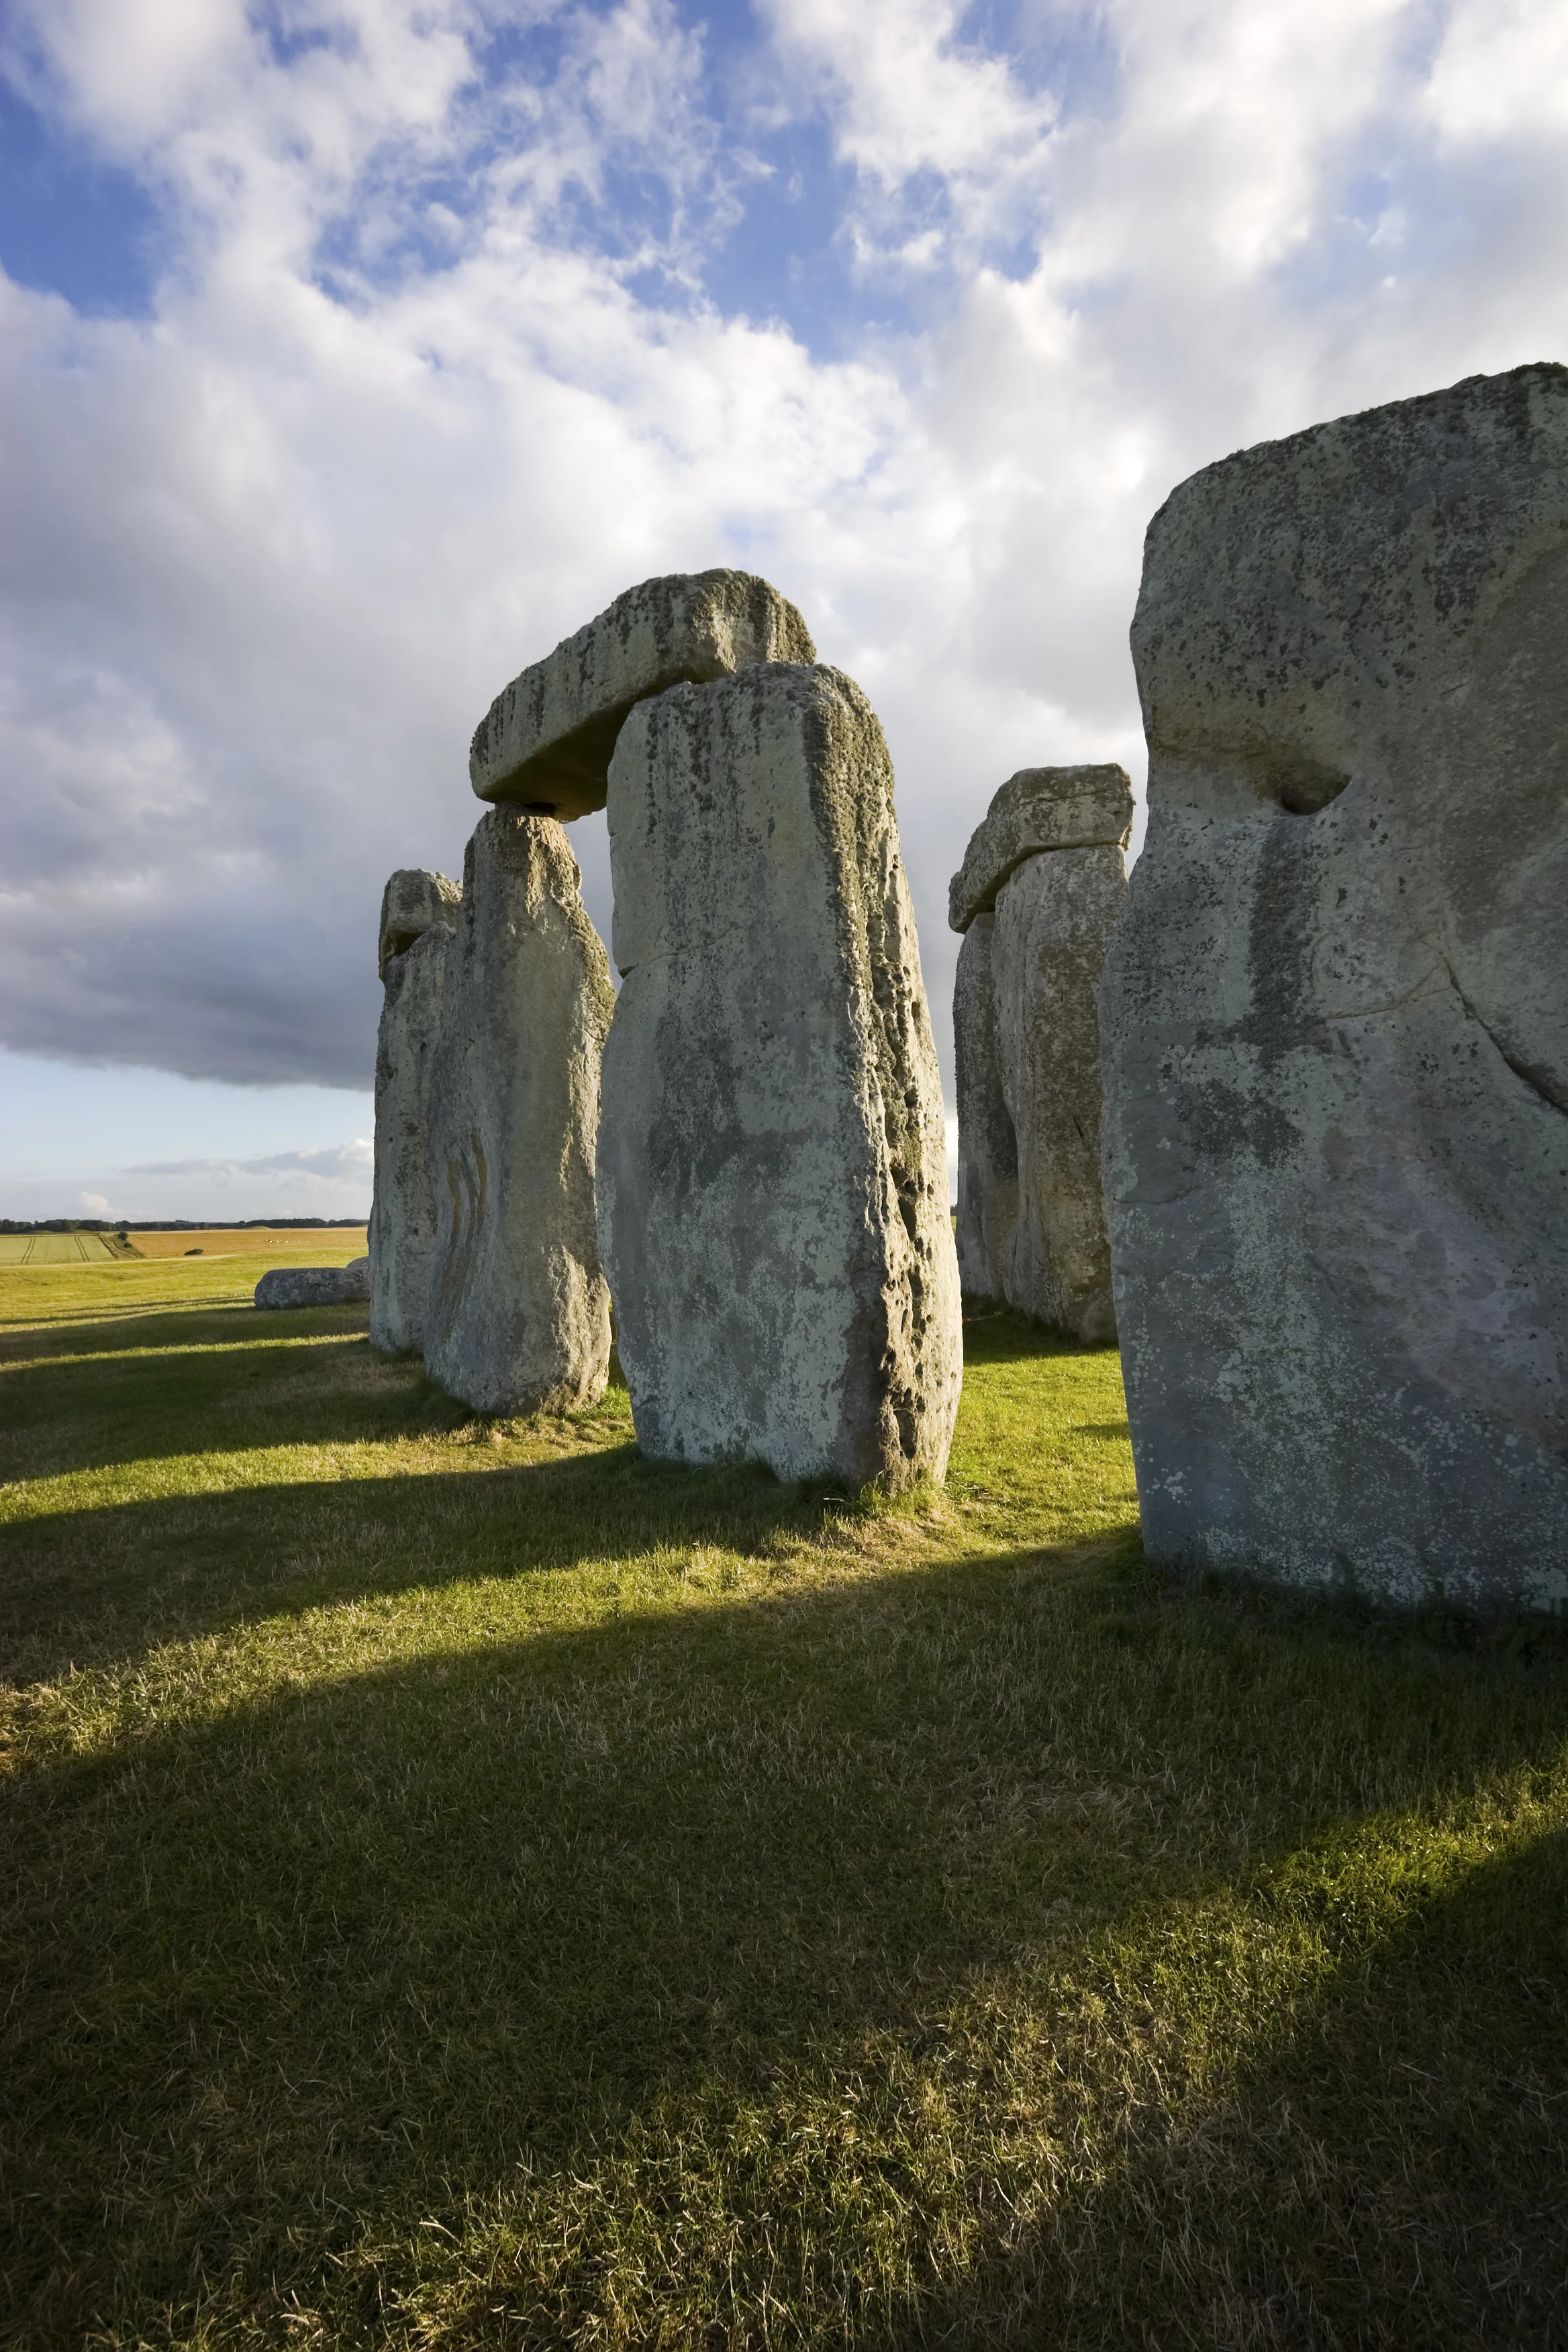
(1387, 2166)
(196, 1390)
(381, 1954)
(103, 1585)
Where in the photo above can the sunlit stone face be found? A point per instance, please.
(1336, 1017)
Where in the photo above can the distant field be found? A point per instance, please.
(55, 1249)
(331, 1244)
(245, 1240)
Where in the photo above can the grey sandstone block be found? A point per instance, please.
(1036, 810)
(772, 1168)
(411, 903)
(315, 1286)
(987, 1142)
(517, 1313)
(547, 738)
(417, 943)
(1335, 1018)
(1055, 916)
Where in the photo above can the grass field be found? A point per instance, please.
(58, 1249)
(328, 1245)
(466, 1886)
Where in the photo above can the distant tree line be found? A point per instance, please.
(168, 1225)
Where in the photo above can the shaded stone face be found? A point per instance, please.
(1054, 919)
(419, 918)
(987, 1142)
(410, 904)
(1039, 892)
(771, 1166)
(516, 1312)
(1336, 1016)
(547, 740)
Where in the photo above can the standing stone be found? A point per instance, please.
(772, 1185)
(518, 1314)
(1055, 916)
(1336, 1016)
(547, 738)
(418, 917)
(987, 1140)
(1041, 886)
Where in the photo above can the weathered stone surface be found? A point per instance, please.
(987, 1143)
(1054, 919)
(315, 1286)
(417, 940)
(547, 739)
(773, 1185)
(517, 1318)
(1036, 810)
(1335, 1016)
(411, 903)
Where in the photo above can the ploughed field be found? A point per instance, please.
(468, 1885)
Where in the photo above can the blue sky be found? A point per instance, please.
(356, 351)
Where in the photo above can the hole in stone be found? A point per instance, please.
(1300, 784)
(399, 943)
(537, 808)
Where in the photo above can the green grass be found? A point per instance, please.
(55, 1249)
(469, 1887)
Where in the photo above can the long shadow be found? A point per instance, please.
(348, 1957)
(99, 1587)
(67, 1414)
(167, 1326)
(1388, 2169)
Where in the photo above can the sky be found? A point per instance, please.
(354, 351)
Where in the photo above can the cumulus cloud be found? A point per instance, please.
(449, 343)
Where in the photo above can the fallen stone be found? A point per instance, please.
(1036, 810)
(315, 1286)
(517, 1318)
(547, 738)
(1335, 1016)
(1054, 919)
(772, 1168)
(987, 1142)
(417, 940)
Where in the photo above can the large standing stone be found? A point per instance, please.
(1055, 916)
(1039, 894)
(419, 918)
(1336, 1014)
(547, 738)
(518, 1314)
(772, 1188)
(987, 1140)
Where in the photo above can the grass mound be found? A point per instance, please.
(468, 1885)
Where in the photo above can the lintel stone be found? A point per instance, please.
(1039, 809)
(547, 738)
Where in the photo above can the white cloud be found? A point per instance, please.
(94, 1203)
(432, 374)
(342, 1163)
